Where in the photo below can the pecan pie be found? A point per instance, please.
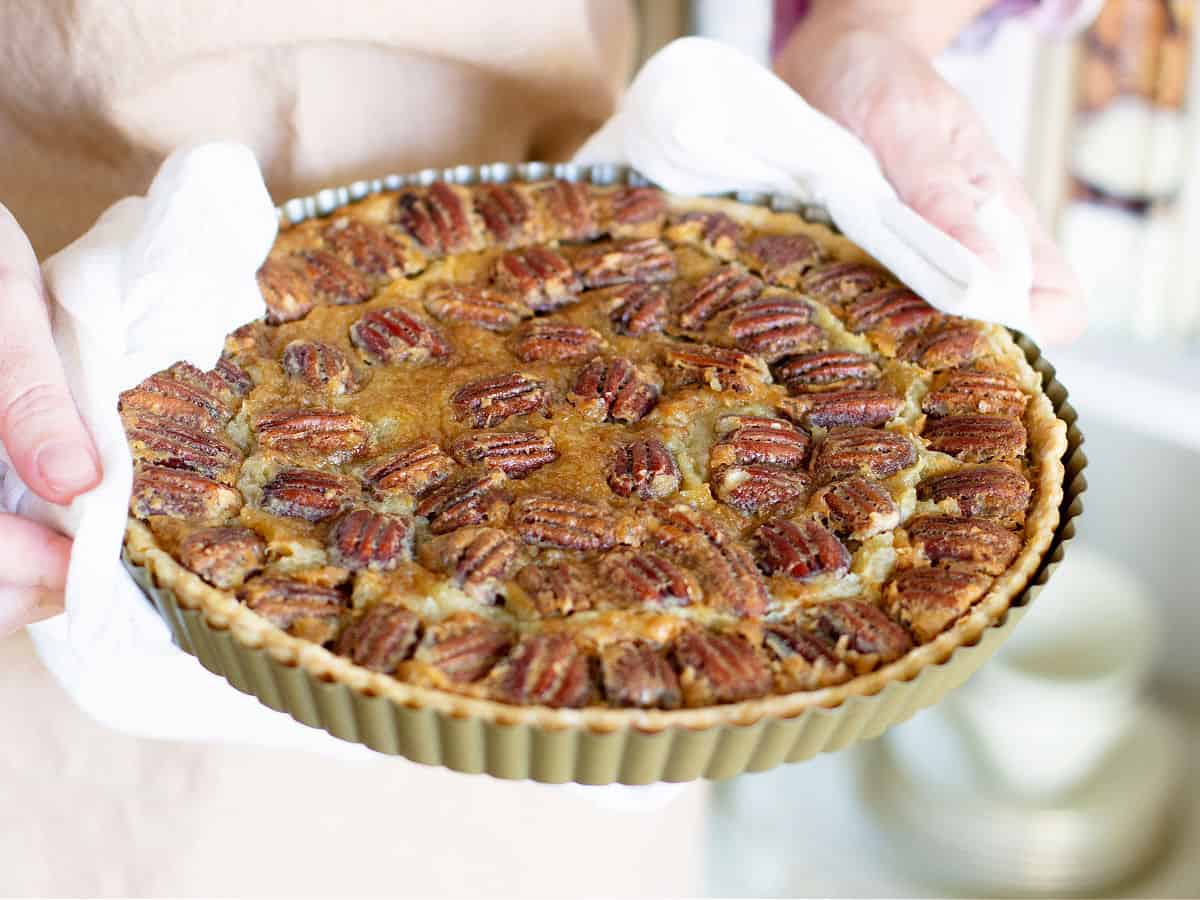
(554, 445)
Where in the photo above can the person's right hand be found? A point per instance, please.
(41, 430)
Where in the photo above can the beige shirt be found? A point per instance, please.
(93, 93)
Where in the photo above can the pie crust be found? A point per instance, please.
(758, 534)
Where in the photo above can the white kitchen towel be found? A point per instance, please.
(702, 117)
(158, 278)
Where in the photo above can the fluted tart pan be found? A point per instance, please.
(597, 745)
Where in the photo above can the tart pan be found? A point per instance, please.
(564, 751)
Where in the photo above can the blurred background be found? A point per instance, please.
(1070, 764)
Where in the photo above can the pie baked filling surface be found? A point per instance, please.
(563, 445)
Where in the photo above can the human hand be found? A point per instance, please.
(873, 75)
(41, 430)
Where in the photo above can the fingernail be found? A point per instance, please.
(67, 468)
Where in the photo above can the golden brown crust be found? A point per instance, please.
(1042, 465)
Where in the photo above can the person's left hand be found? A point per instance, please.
(931, 146)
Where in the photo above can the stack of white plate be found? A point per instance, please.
(1049, 772)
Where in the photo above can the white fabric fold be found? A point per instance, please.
(159, 278)
(702, 117)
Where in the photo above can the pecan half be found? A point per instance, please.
(613, 390)
(972, 543)
(775, 325)
(649, 580)
(481, 307)
(645, 468)
(186, 401)
(381, 638)
(827, 370)
(945, 347)
(856, 508)
(334, 282)
(636, 309)
(788, 639)
(635, 206)
(800, 550)
(544, 669)
(237, 381)
(475, 558)
(320, 366)
(438, 218)
(992, 491)
(783, 258)
(505, 212)
(849, 450)
(896, 310)
(853, 407)
(540, 276)
(543, 340)
(309, 611)
(308, 494)
(718, 367)
(363, 539)
(636, 674)
(159, 441)
(288, 295)
(324, 434)
(725, 567)
(472, 500)
(218, 389)
(394, 336)
(759, 440)
(840, 282)
(928, 600)
(515, 453)
(367, 248)
(489, 401)
(719, 667)
(223, 556)
(643, 260)
(862, 629)
(557, 589)
(160, 491)
(413, 469)
(464, 647)
(713, 230)
(981, 393)
(546, 520)
(806, 660)
(753, 488)
(720, 290)
(976, 438)
(567, 206)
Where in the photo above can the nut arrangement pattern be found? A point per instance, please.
(567, 445)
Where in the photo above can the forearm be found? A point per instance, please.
(926, 26)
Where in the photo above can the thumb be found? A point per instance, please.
(39, 424)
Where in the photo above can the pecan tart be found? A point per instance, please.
(551, 446)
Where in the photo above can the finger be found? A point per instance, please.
(21, 606)
(1057, 298)
(967, 173)
(39, 424)
(33, 556)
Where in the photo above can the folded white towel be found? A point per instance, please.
(702, 117)
(157, 279)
